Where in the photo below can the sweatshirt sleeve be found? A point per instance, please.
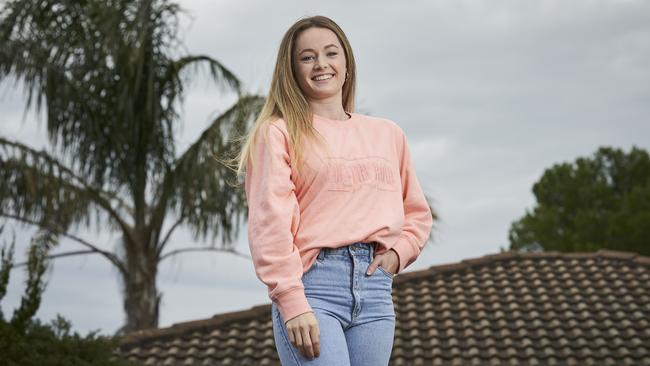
(417, 213)
(273, 218)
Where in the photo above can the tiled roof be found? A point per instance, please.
(511, 308)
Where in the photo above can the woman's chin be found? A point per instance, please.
(320, 93)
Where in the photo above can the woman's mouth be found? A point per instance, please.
(323, 78)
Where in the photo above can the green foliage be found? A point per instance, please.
(594, 203)
(25, 341)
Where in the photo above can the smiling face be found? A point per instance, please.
(320, 65)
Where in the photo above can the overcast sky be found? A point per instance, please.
(489, 95)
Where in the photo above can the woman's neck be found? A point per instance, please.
(331, 111)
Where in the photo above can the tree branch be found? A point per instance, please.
(65, 254)
(161, 246)
(203, 249)
(93, 249)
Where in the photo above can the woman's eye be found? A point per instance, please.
(308, 57)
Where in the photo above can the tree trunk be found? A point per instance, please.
(141, 297)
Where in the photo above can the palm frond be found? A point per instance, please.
(35, 185)
(197, 188)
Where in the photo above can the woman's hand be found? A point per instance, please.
(304, 334)
(388, 261)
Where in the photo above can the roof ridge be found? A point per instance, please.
(507, 255)
(181, 327)
(510, 254)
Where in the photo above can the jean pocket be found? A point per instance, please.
(385, 272)
(320, 257)
(312, 267)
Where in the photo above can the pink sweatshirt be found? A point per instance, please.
(366, 191)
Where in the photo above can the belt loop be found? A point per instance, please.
(372, 251)
(321, 254)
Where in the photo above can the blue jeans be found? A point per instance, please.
(355, 312)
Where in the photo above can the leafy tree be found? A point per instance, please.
(597, 202)
(26, 341)
(112, 84)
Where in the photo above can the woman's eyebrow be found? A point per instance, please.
(310, 49)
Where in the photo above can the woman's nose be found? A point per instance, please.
(320, 63)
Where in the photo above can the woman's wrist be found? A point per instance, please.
(398, 260)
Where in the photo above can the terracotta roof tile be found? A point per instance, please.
(532, 308)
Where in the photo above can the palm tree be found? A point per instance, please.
(112, 85)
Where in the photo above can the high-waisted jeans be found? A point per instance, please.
(355, 312)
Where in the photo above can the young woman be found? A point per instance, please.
(335, 208)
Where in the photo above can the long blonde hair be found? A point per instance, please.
(286, 100)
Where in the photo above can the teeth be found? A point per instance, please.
(323, 77)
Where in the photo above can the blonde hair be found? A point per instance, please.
(286, 100)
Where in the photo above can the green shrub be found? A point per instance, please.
(25, 341)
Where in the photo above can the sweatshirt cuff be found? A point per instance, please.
(405, 251)
(292, 303)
